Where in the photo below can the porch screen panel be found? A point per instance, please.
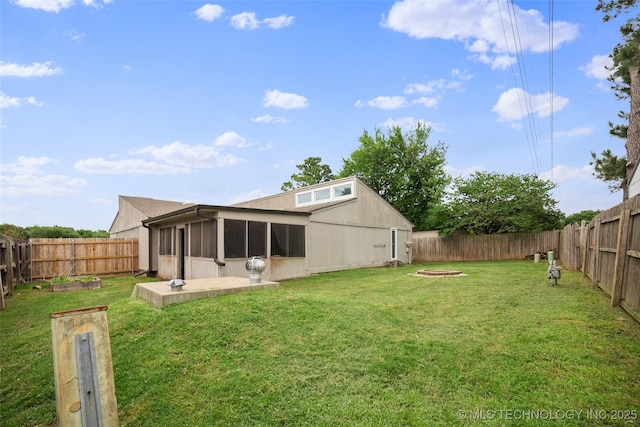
(278, 240)
(196, 239)
(165, 241)
(235, 238)
(287, 240)
(209, 238)
(257, 239)
(296, 240)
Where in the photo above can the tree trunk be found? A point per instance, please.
(633, 132)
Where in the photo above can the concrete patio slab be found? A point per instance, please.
(160, 294)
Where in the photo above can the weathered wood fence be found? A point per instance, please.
(24, 261)
(14, 263)
(612, 254)
(486, 247)
(607, 250)
(82, 257)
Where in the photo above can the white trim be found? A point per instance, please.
(319, 195)
(394, 243)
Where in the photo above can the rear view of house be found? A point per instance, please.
(331, 226)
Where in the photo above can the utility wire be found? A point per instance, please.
(526, 108)
(551, 81)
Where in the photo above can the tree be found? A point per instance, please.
(403, 169)
(37, 231)
(14, 231)
(625, 79)
(609, 168)
(311, 172)
(488, 203)
(577, 218)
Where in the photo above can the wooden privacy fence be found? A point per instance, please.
(612, 254)
(14, 263)
(82, 257)
(486, 247)
(607, 250)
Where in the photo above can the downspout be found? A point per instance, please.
(215, 225)
(149, 256)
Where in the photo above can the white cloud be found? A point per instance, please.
(249, 21)
(39, 185)
(288, 101)
(480, 25)
(127, 67)
(56, 5)
(101, 201)
(46, 5)
(574, 132)
(127, 166)
(515, 104)
(190, 156)
(32, 164)
(278, 22)
(408, 123)
(385, 102)
(36, 69)
(268, 118)
(231, 139)
(597, 67)
(26, 177)
(74, 35)
(209, 12)
(7, 101)
(562, 173)
(251, 195)
(440, 85)
(466, 172)
(428, 102)
(578, 189)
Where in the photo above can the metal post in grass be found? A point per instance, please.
(82, 366)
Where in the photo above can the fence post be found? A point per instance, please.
(621, 257)
(596, 252)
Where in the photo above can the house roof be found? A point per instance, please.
(152, 207)
(195, 209)
(165, 209)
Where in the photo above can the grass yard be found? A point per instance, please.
(371, 347)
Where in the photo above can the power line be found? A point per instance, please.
(526, 109)
(551, 81)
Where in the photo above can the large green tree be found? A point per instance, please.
(577, 218)
(403, 169)
(312, 171)
(625, 79)
(489, 203)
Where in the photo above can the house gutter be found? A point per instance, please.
(149, 258)
(215, 224)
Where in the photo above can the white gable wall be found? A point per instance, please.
(634, 184)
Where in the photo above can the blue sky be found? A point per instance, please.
(216, 103)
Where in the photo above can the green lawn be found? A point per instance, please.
(371, 347)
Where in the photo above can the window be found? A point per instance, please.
(235, 238)
(342, 190)
(209, 240)
(202, 238)
(257, 239)
(304, 198)
(166, 247)
(325, 194)
(394, 243)
(287, 240)
(243, 239)
(195, 237)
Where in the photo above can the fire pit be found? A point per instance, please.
(439, 273)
